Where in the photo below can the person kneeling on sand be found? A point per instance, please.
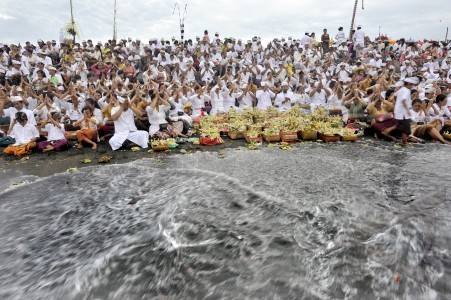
(122, 115)
(24, 134)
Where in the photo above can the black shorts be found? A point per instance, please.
(404, 126)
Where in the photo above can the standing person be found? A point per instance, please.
(124, 126)
(359, 41)
(325, 40)
(403, 105)
(340, 38)
(306, 40)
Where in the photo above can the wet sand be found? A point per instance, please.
(46, 164)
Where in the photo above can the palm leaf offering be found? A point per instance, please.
(71, 29)
(254, 122)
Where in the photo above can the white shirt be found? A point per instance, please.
(400, 111)
(229, 99)
(24, 134)
(98, 115)
(54, 133)
(281, 102)
(246, 100)
(157, 117)
(343, 76)
(340, 37)
(418, 117)
(359, 38)
(178, 106)
(198, 103)
(126, 121)
(443, 112)
(11, 113)
(319, 99)
(217, 102)
(264, 99)
(73, 113)
(42, 113)
(306, 40)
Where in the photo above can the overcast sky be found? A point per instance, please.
(22, 20)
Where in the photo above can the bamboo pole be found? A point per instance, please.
(353, 18)
(114, 21)
(72, 21)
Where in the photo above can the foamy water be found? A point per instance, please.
(345, 221)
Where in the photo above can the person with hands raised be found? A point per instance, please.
(123, 116)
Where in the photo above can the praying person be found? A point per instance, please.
(24, 134)
(122, 114)
(88, 129)
(55, 133)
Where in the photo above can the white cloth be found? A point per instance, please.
(359, 38)
(319, 99)
(264, 99)
(198, 104)
(140, 138)
(340, 38)
(401, 112)
(125, 129)
(217, 103)
(23, 134)
(11, 113)
(156, 118)
(418, 117)
(54, 133)
(246, 100)
(281, 100)
(74, 114)
(229, 99)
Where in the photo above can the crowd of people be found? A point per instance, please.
(57, 95)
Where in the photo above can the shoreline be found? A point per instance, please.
(47, 164)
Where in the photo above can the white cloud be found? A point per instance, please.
(6, 17)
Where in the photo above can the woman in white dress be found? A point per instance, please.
(198, 101)
(217, 99)
(156, 113)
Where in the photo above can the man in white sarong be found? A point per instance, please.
(125, 128)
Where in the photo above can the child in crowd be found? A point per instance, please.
(54, 130)
(88, 132)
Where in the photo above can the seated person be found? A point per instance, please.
(88, 132)
(156, 113)
(423, 130)
(25, 136)
(54, 130)
(382, 119)
(356, 107)
(123, 116)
